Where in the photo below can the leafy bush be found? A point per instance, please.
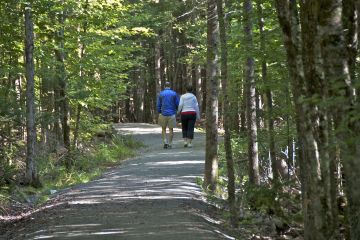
(7, 173)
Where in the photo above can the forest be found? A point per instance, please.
(277, 83)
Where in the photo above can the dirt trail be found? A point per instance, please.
(153, 196)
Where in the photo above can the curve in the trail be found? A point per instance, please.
(154, 196)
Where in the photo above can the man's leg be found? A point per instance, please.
(163, 133)
(171, 135)
(163, 123)
(171, 125)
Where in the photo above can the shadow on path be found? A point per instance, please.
(154, 196)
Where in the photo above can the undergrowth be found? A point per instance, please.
(271, 211)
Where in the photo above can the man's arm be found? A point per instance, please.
(179, 105)
(177, 101)
(158, 104)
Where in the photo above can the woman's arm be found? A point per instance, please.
(181, 103)
(196, 106)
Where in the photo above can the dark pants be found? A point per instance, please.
(188, 124)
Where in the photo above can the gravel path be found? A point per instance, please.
(154, 196)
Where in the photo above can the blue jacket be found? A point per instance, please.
(167, 102)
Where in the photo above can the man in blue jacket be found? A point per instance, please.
(167, 104)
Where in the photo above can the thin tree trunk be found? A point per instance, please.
(57, 113)
(243, 109)
(211, 155)
(227, 114)
(64, 105)
(268, 93)
(234, 93)
(194, 78)
(163, 75)
(77, 126)
(254, 175)
(31, 174)
(198, 84)
(203, 87)
(350, 24)
(81, 75)
(157, 59)
(138, 95)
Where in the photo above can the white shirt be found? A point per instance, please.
(189, 103)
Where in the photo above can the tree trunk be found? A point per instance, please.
(336, 65)
(314, 221)
(203, 87)
(350, 25)
(234, 93)
(157, 63)
(268, 93)
(227, 114)
(138, 95)
(31, 175)
(289, 21)
(61, 74)
(198, 83)
(243, 110)
(163, 75)
(194, 79)
(77, 126)
(211, 155)
(254, 176)
(319, 221)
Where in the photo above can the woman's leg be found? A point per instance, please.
(191, 126)
(184, 126)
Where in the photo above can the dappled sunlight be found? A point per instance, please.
(130, 129)
(146, 224)
(174, 163)
(29, 213)
(224, 235)
(154, 196)
(142, 188)
(166, 230)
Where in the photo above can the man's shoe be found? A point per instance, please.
(166, 145)
(169, 146)
(189, 145)
(185, 145)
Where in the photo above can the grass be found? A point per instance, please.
(89, 165)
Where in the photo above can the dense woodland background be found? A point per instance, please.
(280, 77)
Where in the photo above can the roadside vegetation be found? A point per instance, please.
(102, 151)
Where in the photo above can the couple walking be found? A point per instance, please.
(168, 104)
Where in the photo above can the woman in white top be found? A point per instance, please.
(189, 110)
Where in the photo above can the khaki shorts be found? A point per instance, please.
(167, 121)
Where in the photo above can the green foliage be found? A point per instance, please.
(7, 173)
(262, 198)
(87, 165)
(281, 200)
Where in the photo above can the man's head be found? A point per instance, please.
(167, 85)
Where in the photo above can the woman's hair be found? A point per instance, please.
(189, 88)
